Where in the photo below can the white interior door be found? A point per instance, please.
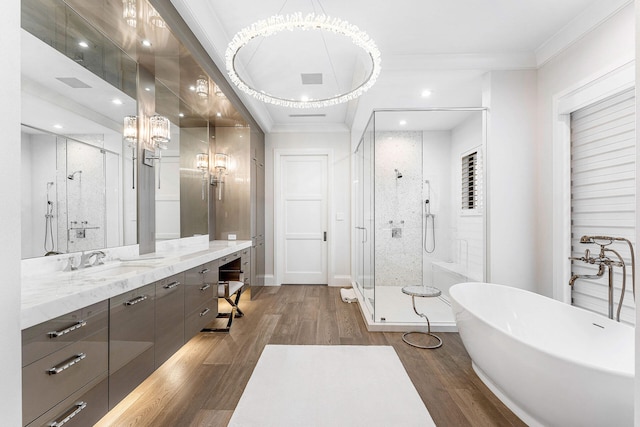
(302, 219)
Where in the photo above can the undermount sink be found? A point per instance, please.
(116, 269)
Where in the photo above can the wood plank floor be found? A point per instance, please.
(202, 383)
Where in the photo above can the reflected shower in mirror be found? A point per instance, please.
(77, 176)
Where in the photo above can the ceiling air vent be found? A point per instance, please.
(311, 78)
(307, 115)
(73, 82)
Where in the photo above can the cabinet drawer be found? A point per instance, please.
(83, 408)
(197, 295)
(169, 317)
(131, 326)
(51, 379)
(201, 283)
(43, 339)
(200, 318)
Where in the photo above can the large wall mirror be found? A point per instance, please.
(80, 72)
(77, 175)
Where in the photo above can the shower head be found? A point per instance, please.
(398, 173)
(72, 176)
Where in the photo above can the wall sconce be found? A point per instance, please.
(130, 131)
(159, 135)
(130, 135)
(160, 131)
(202, 164)
(129, 12)
(221, 165)
(202, 87)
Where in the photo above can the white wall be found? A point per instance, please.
(468, 228)
(510, 177)
(340, 237)
(436, 169)
(610, 44)
(10, 390)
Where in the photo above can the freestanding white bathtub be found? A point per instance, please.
(552, 364)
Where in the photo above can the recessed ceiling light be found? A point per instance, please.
(426, 93)
(403, 122)
(83, 44)
(146, 43)
(116, 101)
(181, 115)
(148, 89)
(192, 88)
(218, 114)
(57, 126)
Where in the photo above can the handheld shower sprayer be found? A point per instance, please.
(429, 226)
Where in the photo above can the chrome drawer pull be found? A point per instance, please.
(56, 334)
(75, 410)
(136, 300)
(69, 363)
(204, 312)
(171, 285)
(205, 271)
(205, 287)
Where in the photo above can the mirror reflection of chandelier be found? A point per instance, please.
(299, 22)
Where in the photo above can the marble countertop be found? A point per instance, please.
(52, 294)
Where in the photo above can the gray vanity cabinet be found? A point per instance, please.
(65, 368)
(201, 301)
(131, 341)
(169, 317)
(246, 267)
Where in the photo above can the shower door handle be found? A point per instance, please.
(324, 238)
(366, 234)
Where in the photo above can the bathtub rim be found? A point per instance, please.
(624, 373)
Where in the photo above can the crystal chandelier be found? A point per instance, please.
(280, 23)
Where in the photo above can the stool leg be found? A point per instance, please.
(404, 336)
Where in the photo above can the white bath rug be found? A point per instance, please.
(348, 295)
(330, 386)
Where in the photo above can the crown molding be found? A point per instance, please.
(587, 21)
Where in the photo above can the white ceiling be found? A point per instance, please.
(445, 46)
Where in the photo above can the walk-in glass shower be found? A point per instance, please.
(420, 213)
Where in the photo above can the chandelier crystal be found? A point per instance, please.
(280, 23)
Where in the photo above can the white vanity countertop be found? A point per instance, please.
(47, 296)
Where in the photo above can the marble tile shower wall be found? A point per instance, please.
(84, 205)
(398, 208)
